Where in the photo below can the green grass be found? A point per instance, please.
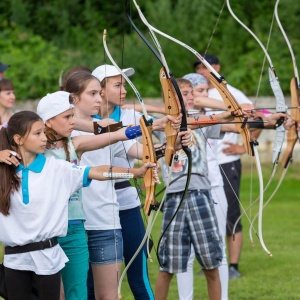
(263, 277)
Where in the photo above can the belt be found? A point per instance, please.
(122, 185)
(75, 222)
(32, 246)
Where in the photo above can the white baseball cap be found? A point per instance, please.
(53, 104)
(104, 71)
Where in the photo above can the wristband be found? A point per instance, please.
(133, 132)
(259, 124)
(110, 128)
(118, 175)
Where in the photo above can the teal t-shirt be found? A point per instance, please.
(75, 211)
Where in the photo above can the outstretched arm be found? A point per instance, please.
(85, 143)
(151, 108)
(98, 172)
(88, 126)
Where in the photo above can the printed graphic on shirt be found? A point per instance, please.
(199, 159)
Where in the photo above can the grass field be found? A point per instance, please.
(263, 277)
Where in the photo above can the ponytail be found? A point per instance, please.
(19, 124)
(9, 181)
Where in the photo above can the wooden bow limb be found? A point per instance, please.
(231, 104)
(148, 156)
(172, 108)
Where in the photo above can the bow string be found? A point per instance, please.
(221, 85)
(148, 147)
(277, 91)
(292, 134)
(280, 131)
(172, 96)
(148, 156)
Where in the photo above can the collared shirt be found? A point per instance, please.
(128, 197)
(100, 206)
(39, 211)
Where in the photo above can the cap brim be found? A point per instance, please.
(128, 71)
(3, 67)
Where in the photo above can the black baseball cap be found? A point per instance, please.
(211, 59)
(3, 67)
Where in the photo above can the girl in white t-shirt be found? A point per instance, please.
(34, 207)
(55, 111)
(103, 223)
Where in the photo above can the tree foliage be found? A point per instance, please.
(40, 38)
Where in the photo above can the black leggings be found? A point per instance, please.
(19, 285)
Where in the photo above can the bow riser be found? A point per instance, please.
(280, 107)
(280, 101)
(148, 156)
(292, 135)
(171, 108)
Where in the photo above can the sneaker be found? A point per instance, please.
(233, 273)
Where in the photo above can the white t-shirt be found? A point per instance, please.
(100, 205)
(214, 173)
(39, 211)
(229, 136)
(127, 197)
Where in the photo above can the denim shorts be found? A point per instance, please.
(105, 246)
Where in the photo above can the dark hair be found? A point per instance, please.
(6, 85)
(78, 82)
(211, 59)
(70, 72)
(19, 124)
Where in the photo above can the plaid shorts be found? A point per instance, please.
(195, 223)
